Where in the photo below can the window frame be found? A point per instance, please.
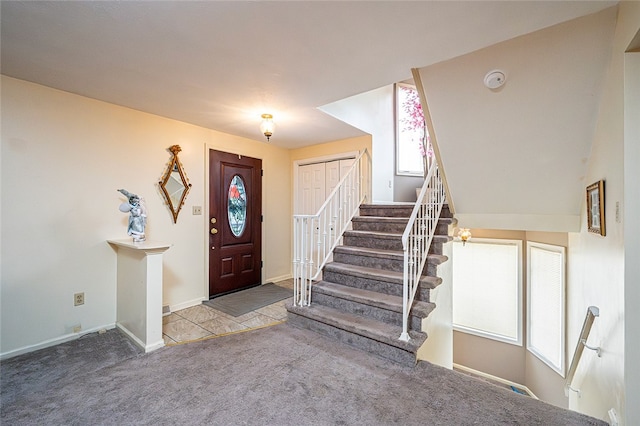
(396, 109)
(561, 369)
(519, 340)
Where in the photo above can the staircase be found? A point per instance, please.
(359, 300)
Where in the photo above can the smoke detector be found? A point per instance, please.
(494, 79)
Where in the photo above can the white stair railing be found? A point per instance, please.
(417, 238)
(315, 236)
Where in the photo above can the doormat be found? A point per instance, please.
(245, 301)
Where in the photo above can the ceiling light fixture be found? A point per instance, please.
(267, 125)
(494, 79)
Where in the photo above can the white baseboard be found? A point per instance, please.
(187, 304)
(146, 348)
(52, 342)
(495, 378)
(280, 278)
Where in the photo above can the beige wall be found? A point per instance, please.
(63, 158)
(337, 147)
(530, 139)
(509, 361)
(499, 359)
(596, 264)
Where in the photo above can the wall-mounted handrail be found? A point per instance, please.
(417, 238)
(315, 236)
(592, 313)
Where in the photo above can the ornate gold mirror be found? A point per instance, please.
(174, 184)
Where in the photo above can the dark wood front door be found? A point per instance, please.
(235, 229)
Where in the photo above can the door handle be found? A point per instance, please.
(213, 220)
(214, 231)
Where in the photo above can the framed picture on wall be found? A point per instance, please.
(595, 208)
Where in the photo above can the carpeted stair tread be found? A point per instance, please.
(380, 274)
(449, 220)
(394, 205)
(373, 298)
(380, 219)
(372, 252)
(390, 210)
(442, 238)
(375, 234)
(390, 235)
(399, 219)
(375, 330)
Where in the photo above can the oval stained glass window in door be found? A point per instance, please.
(237, 210)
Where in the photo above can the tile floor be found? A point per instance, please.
(202, 321)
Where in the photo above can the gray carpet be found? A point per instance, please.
(277, 375)
(242, 302)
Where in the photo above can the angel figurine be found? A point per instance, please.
(137, 215)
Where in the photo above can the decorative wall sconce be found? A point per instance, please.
(465, 235)
(267, 125)
(174, 184)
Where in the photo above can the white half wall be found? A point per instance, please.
(631, 217)
(438, 348)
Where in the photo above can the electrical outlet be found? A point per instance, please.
(78, 299)
(197, 210)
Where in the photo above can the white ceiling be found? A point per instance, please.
(221, 64)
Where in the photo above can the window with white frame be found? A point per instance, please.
(546, 304)
(410, 132)
(487, 289)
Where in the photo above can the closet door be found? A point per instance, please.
(332, 176)
(311, 180)
(335, 172)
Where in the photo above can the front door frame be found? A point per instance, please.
(207, 213)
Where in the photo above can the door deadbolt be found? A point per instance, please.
(213, 220)
(214, 231)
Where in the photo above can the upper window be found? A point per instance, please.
(410, 132)
(487, 289)
(546, 312)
